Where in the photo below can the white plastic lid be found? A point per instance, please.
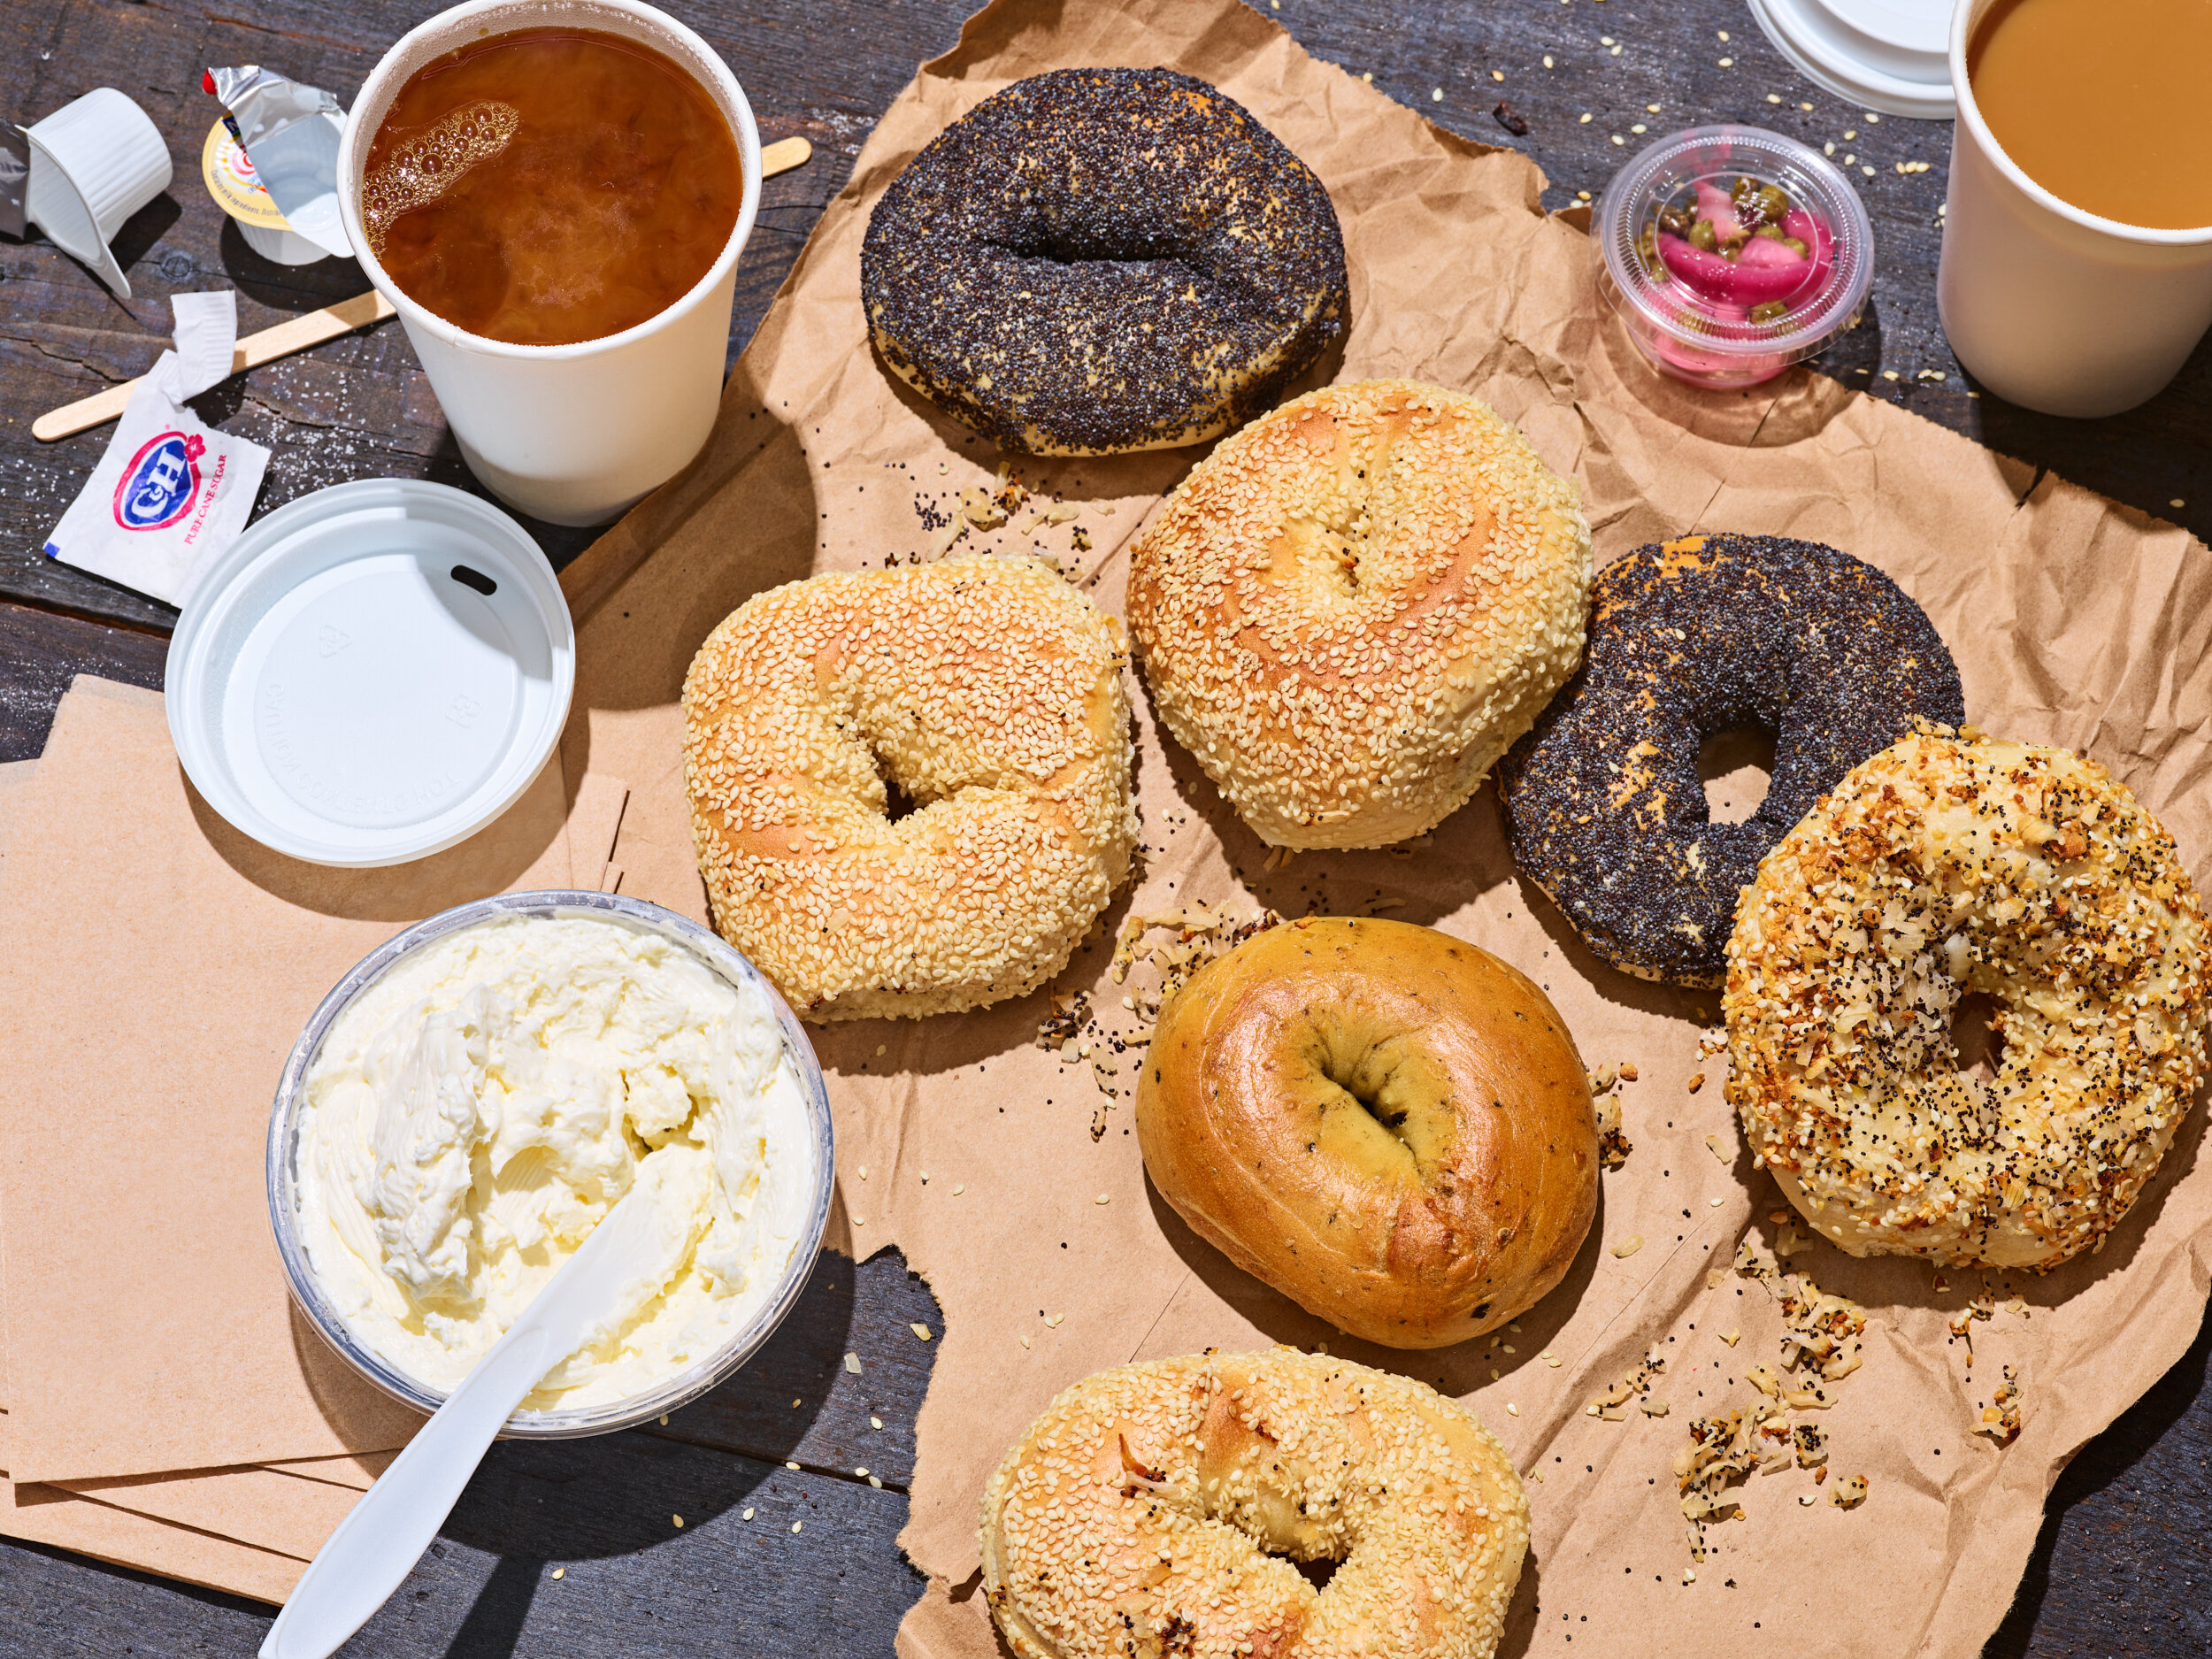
(1893, 56)
(371, 672)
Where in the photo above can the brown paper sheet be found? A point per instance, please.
(267, 1509)
(594, 817)
(194, 1545)
(355, 1469)
(47, 1515)
(159, 966)
(2074, 621)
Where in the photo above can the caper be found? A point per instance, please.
(1774, 204)
(1674, 221)
(1772, 232)
(1743, 192)
(1772, 311)
(1702, 236)
(1797, 247)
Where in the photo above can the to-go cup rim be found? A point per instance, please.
(374, 102)
(1964, 17)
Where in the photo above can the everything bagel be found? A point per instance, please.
(1949, 863)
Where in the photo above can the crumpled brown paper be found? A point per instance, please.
(960, 1141)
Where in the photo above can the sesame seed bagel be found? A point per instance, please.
(1099, 260)
(1689, 640)
(1943, 865)
(987, 691)
(1353, 607)
(1155, 1511)
(1387, 1123)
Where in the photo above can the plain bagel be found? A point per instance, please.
(1155, 1510)
(1389, 1126)
(990, 693)
(1941, 865)
(1354, 606)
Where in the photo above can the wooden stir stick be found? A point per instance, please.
(362, 311)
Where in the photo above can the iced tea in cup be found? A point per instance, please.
(2076, 272)
(553, 195)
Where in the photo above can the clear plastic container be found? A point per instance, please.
(686, 1386)
(1731, 252)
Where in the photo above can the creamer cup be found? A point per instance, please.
(93, 163)
(290, 133)
(228, 172)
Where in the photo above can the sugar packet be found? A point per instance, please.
(169, 492)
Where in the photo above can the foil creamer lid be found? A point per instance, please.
(15, 177)
(291, 133)
(228, 174)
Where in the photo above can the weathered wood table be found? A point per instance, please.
(2123, 1565)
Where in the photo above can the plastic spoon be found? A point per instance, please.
(378, 1544)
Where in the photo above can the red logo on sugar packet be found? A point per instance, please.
(161, 483)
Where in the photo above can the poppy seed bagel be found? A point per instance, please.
(1093, 261)
(1691, 639)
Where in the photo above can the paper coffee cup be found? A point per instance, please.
(573, 435)
(2048, 306)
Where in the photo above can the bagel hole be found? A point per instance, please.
(1735, 767)
(1317, 1573)
(1051, 241)
(1394, 1122)
(896, 803)
(1976, 1036)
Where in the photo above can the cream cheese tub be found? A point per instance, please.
(480, 1091)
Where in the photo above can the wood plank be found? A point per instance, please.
(358, 406)
(600, 1512)
(266, 345)
(40, 653)
(2121, 1566)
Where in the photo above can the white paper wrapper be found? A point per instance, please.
(171, 490)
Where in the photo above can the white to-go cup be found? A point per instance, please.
(2048, 306)
(572, 435)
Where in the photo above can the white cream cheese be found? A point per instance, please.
(473, 1115)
